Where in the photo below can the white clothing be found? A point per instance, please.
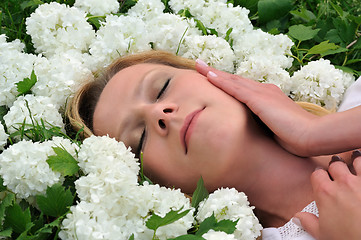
(291, 231)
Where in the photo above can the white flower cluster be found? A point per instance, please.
(96, 7)
(118, 36)
(55, 28)
(230, 204)
(14, 67)
(321, 83)
(3, 137)
(217, 235)
(38, 107)
(24, 169)
(113, 205)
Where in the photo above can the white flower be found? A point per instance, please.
(95, 149)
(3, 137)
(119, 35)
(24, 168)
(39, 108)
(146, 9)
(14, 67)
(113, 205)
(60, 76)
(321, 83)
(230, 204)
(215, 51)
(195, 6)
(55, 28)
(216, 235)
(168, 29)
(96, 7)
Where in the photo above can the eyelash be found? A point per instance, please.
(161, 92)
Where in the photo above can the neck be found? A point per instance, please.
(281, 185)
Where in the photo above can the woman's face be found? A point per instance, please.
(185, 126)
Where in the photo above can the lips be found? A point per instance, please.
(186, 130)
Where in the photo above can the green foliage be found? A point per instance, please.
(155, 221)
(56, 201)
(17, 219)
(24, 86)
(199, 194)
(63, 162)
(211, 222)
(269, 10)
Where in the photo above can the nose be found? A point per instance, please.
(159, 117)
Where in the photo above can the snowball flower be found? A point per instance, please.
(24, 168)
(60, 76)
(3, 137)
(14, 67)
(96, 7)
(113, 205)
(147, 9)
(168, 30)
(40, 108)
(119, 35)
(214, 50)
(230, 204)
(216, 235)
(56, 28)
(321, 83)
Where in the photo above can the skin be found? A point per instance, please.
(338, 199)
(226, 146)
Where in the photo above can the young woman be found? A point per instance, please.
(186, 127)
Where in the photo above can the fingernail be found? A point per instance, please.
(318, 168)
(296, 221)
(212, 74)
(200, 62)
(335, 158)
(355, 154)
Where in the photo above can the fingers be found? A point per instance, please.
(356, 158)
(309, 222)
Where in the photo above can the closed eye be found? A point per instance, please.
(142, 138)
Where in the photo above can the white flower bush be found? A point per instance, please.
(321, 83)
(215, 51)
(217, 235)
(29, 108)
(55, 28)
(15, 65)
(118, 36)
(230, 204)
(24, 169)
(112, 204)
(110, 191)
(96, 7)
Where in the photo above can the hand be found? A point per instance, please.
(338, 202)
(290, 123)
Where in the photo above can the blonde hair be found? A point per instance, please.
(81, 108)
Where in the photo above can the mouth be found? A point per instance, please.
(187, 128)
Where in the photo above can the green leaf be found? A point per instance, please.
(155, 221)
(3, 111)
(131, 237)
(56, 201)
(24, 86)
(304, 14)
(17, 219)
(32, 3)
(226, 225)
(322, 48)
(188, 237)
(302, 33)
(63, 162)
(199, 194)
(273, 9)
(6, 233)
(7, 201)
(2, 187)
(334, 51)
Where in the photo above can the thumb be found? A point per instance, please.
(309, 222)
